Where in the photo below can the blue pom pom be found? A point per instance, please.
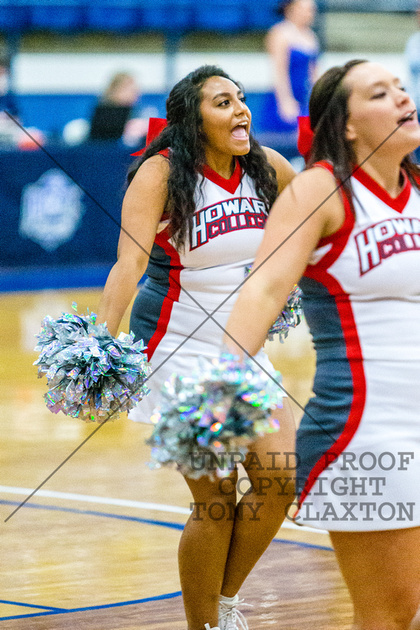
(219, 410)
(90, 373)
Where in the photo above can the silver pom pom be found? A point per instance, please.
(90, 373)
(218, 410)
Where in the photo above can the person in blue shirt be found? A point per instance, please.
(293, 48)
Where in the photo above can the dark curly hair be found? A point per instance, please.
(184, 137)
(328, 113)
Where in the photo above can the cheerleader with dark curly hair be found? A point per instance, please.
(192, 219)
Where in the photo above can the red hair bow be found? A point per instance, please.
(305, 136)
(156, 125)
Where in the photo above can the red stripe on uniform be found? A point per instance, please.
(319, 273)
(355, 356)
(397, 203)
(230, 184)
(339, 239)
(172, 296)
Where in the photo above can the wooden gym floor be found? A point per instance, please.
(96, 546)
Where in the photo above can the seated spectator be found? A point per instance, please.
(113, 115)
(9, 131)
(12, 133)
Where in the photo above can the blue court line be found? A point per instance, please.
(62, 611)
(122, 517)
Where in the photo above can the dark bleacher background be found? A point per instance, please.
(29, 261)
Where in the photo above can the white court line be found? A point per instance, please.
(86, 498)
(139, 505)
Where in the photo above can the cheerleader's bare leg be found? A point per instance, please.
(204, 548)
(223, 539)
(259, 514)
(382, 572)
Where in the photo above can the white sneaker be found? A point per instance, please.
(207, 627)
(230, 618)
